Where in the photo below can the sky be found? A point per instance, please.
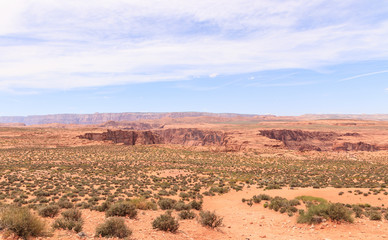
(282, 57)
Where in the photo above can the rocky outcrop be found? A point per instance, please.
(302, 140)
(125, 137)
(316, 141)
(308, 147)
(360, 146)
(289, 136)
(182, 136)
(192, 137)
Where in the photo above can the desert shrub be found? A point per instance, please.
(210, 219)
(278, 203)
(336, 212)
(143, 204)
(272, 186)
(122, 209)
(264, 197)
(103, 207)
(219, 190)
(166, 203)
(197, 205)
(72, 214)
(49, 211)
(374, 215)
(186, 214)
(294, 202)
(71, 219)
(113, 227)
(311, 199)
(357, 210)
(166, 222)
(179, 206)
(21, 221)
(256, 199)
(64, 203)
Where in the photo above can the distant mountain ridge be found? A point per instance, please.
(377, 117)
(99, 118)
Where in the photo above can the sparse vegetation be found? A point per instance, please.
(122, 209)
(332, 211)
(113, 227)
(71, 220)
(49, 211)
(210, 219)
(21, 221)
(187, 214)
(166, 222)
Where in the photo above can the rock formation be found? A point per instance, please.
(316, 141)
(182, 136)
(360, 146)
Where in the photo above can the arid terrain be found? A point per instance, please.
(260, 174)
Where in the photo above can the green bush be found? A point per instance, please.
(264, 197)
(335, 212)
(166, 203)
(338, 212)
(103, 207)
(210, 219)
(357, 210)
(21, 221)
(49, 211)
(71, 219)
(64, 203)
(72, 214)
(179, 206)
(256, 199)
(197, 205)
(166, 222)
(113, 227)
(122, 209)
(278, 203)
(374, 215)
(143, 204)
(186, 214)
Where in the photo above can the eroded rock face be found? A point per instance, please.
(302, 140)
(316, 141)
(360, 146)
(288, 136)
(183, 136)
(126, 137)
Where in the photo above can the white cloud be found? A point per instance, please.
(364, 75)
(70, 44)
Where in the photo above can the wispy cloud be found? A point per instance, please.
(74, 44)
(363, 75)
(283, 84)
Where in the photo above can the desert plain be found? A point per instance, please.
(257, 175)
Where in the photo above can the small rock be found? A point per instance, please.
(81, 234)
(263, 236)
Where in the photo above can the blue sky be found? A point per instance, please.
(264, 57)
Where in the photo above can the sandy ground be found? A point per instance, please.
(249, 223)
